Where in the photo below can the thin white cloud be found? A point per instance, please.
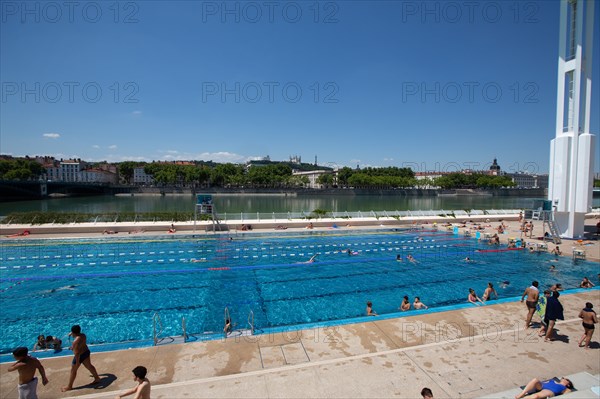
(96, 146)
(119, 158)
(388, 159)
(219, 157)
(222, 157)
(51, 135)
(137, 113)
(112, 147)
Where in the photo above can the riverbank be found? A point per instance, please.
(31, 190)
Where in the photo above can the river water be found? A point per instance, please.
(266, 203)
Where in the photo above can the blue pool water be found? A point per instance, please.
(112, 287)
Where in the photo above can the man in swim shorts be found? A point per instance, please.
(81, 354)
(532, 293)
(545, 389)
(26, 366)
(589, 318)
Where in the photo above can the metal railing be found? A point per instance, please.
(157, 328)
(251, 321)
(286, 216)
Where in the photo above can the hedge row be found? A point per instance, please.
(79, 217)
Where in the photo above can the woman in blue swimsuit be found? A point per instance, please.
(545, 389)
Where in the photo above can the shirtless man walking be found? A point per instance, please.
(81, 354)
(26, 366)
(532, 293)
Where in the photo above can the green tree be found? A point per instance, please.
(20, 169)
(126, 170)
(326, 180)
(344, 175)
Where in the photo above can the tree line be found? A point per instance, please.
(20, 169)
(278, 175)
(269, 175)
(393, 177)
(272, 175)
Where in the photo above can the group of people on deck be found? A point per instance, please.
(550, 309)
(27, 366)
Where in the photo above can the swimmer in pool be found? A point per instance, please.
(66, 287)
(312, 259)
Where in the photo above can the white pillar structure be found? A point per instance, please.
(572, 150)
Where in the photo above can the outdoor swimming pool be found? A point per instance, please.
(112, 287)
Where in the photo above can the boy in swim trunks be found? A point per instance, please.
(81, 354)
(27, 365)
(532, 293)
(545, 389)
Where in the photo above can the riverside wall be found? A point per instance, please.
(15, 191)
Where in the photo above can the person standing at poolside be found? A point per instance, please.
(82, 355)
(532, 293)
(554, 311)
(556, 287)
(142, 389)
(26, 366)
(530, 229)
(541, 311)
(589, 318)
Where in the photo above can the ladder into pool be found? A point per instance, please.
(240, 332)
(158, 328)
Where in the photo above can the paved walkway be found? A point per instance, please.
(464, 353)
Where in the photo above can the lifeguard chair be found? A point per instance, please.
(205, 206)
(578, 253)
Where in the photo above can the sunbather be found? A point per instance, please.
(545, 389)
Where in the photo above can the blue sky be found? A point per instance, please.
(430, 85)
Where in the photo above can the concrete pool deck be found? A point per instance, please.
(468, 353)
(465, 353)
